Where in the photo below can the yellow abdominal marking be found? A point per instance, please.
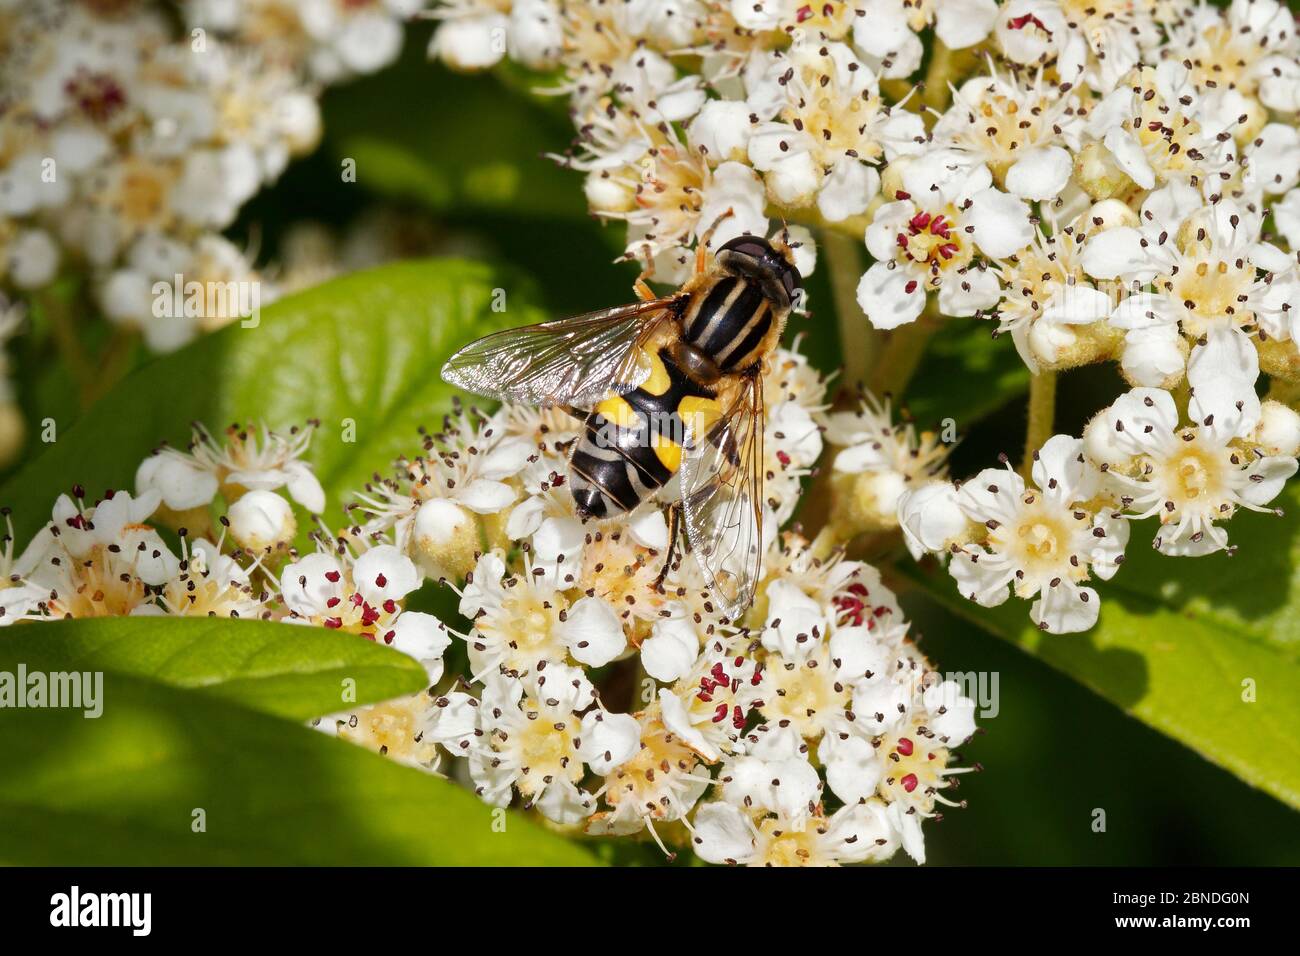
(617, 411)
(697, 414)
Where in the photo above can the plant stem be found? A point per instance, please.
(859, 342)
(1042, 417)
(938, 75)
(901, 356)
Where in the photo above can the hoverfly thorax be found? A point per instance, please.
(737, 318)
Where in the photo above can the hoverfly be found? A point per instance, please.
(668, 388)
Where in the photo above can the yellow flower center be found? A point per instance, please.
(807, 693)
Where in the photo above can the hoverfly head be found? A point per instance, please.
(770, 265)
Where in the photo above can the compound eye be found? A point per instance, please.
(752, 247)
(792, 282)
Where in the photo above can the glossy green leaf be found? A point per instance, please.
(170, 777)
(454, 143)
(291, 671)
(1206, 650)
(361, 354)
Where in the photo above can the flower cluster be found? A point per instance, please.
(597, 682)
(1104, 182)
(1139, 458)
(129, 141)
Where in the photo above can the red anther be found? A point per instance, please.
(1019, 23)
(720, 714)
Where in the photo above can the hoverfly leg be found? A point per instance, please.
(674, 531)
(702, 247)
(642, 287)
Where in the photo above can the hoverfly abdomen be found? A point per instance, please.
(631, 444)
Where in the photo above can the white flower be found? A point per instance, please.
(1205, 273)
(430, 505)
(250, 459)
(361, 595)
(1193, 476)
(708, 707)
(927, 239)
(661, 782)
(859, 833)
(1025, 133)
(886, 29)
(533, 744)
(100, 561)
(522, 624)
(1052, 309)
(1041, 543)
(885, 458)
(831, 123)
(672, 647)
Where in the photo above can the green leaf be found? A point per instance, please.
(127, 789)
(1183, 642)
(290, 671)
(467, 144)
(361, 353)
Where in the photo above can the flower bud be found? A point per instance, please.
(261, 521)
(446, 539)
(1099, 443)
(1278, 431)
(1154, 357)
(931, 519)
(469, 44)
(867, 501)
(1096, 171)
(1110, 213)
(606, 194)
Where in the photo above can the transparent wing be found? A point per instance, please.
(722, 499)
(572, 361)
